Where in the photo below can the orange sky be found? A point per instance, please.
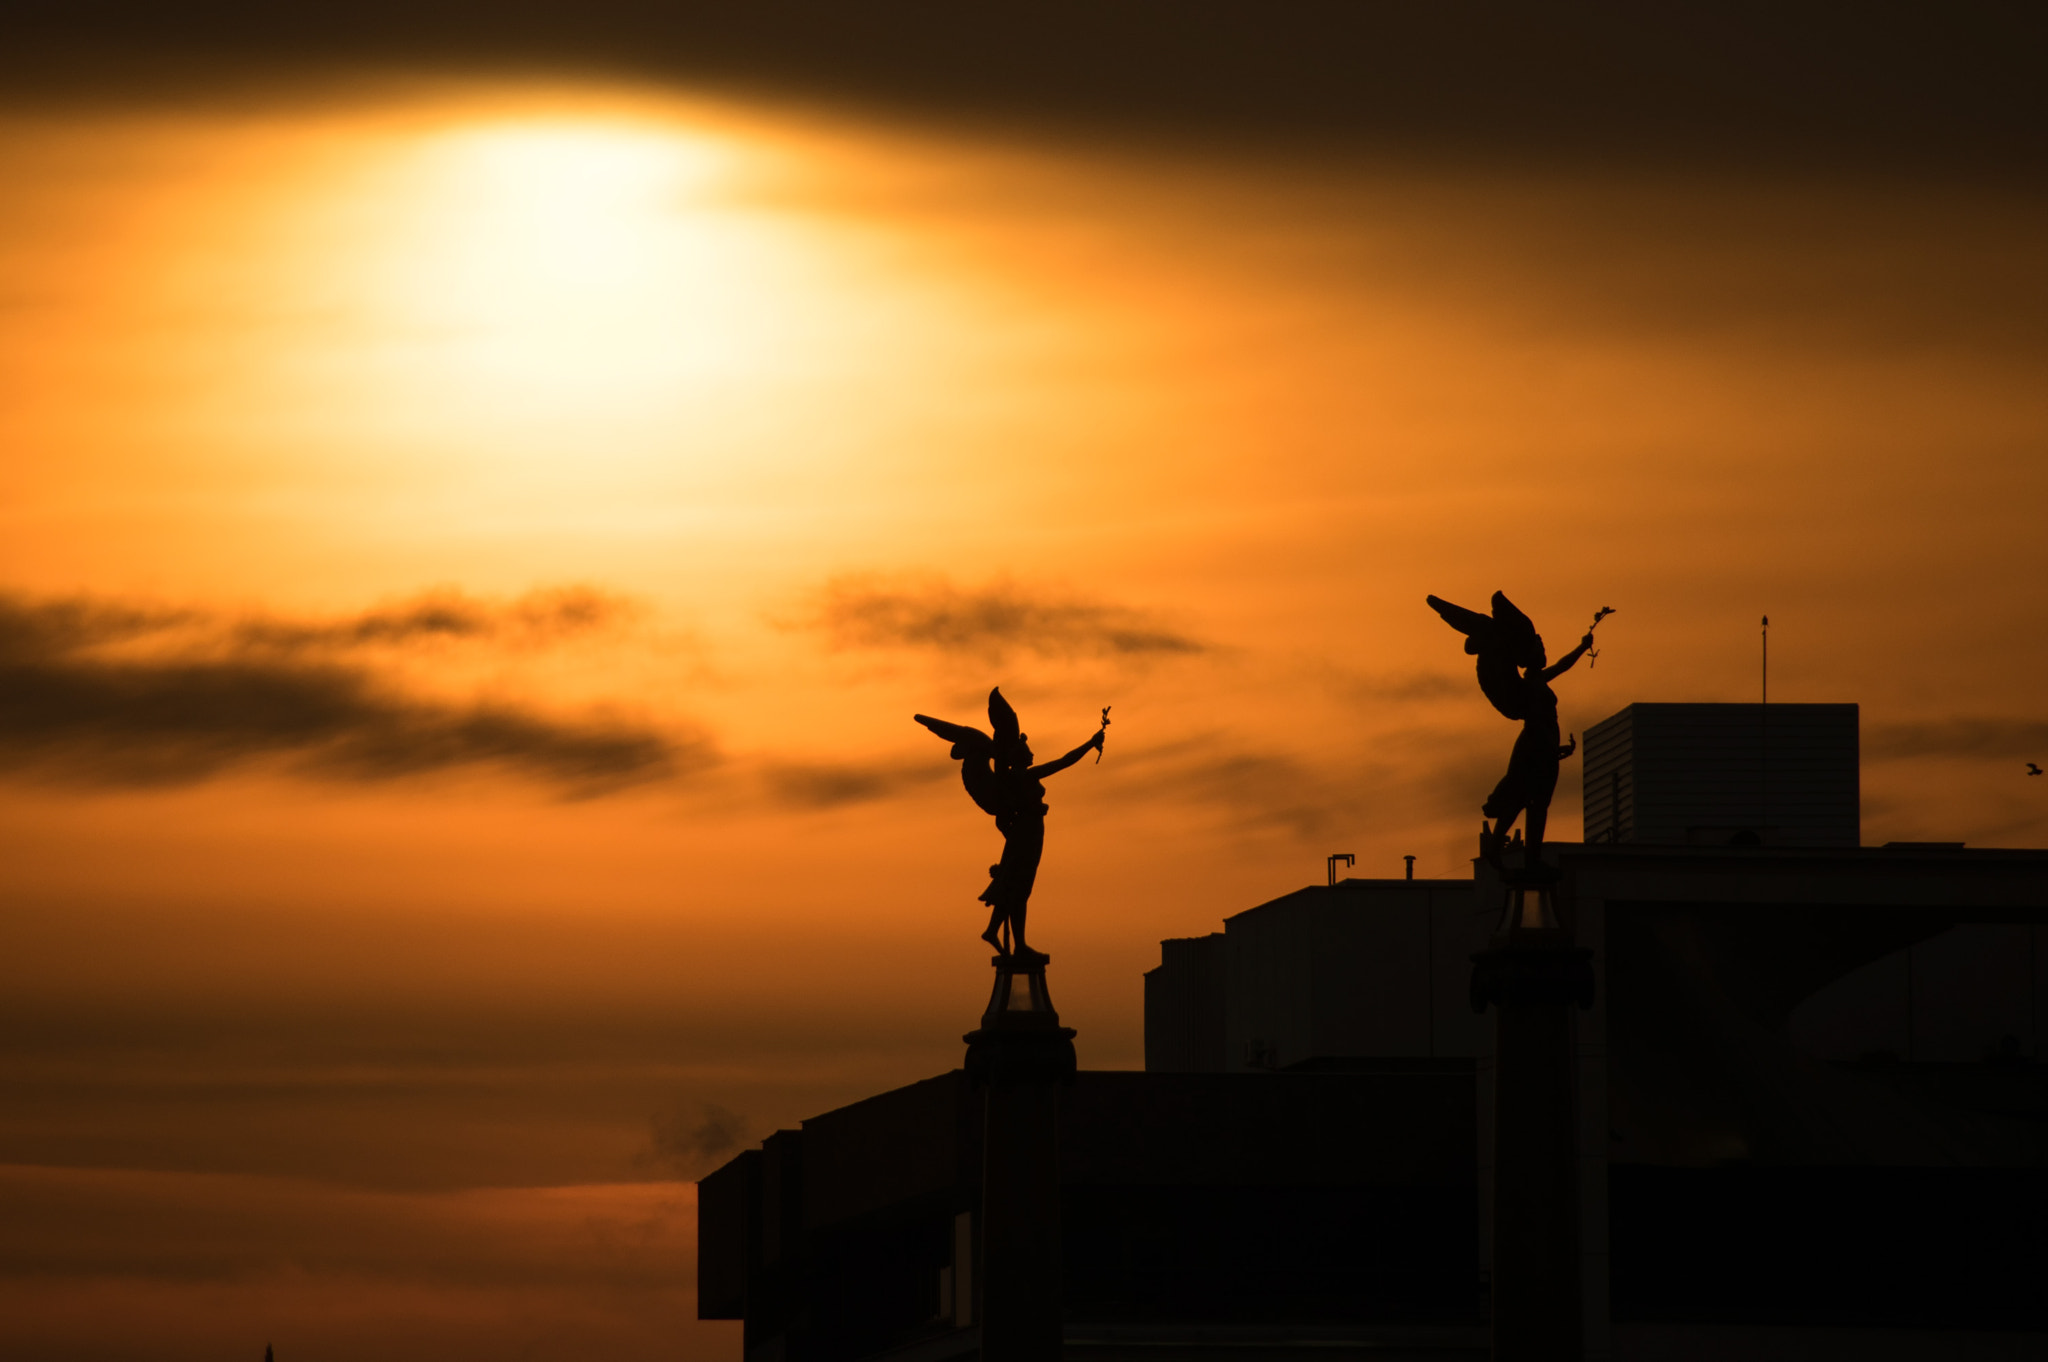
(471, 550)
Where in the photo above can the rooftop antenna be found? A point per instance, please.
(1411, 866)
(1344, 856)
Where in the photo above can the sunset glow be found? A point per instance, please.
(486, 539)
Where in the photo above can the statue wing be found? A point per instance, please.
(1002, 718)
(1487, 636)
(975, 751)
(1503, 684)
(1478, 629)
(979, 776)
(966, 741)
(1510, 621)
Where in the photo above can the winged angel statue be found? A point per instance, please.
(1001, 780)
(1514, 675)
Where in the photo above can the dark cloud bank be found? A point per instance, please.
(107, 693)
(1880, 82)
(988, 621)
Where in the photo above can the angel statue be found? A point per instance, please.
(1002, 781)
(1514, 676)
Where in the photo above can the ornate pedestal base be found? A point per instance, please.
(1020, 1057)
(1534, 974)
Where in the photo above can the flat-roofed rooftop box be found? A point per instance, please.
(1724, 775)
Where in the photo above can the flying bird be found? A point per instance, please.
(2032, 769)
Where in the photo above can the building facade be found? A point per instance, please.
(1812, 1101)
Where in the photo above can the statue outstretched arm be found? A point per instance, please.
(1058, 764)
(1565, 663)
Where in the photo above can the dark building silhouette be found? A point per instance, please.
(1813, 1118)
(1367, 970)
(1755, 1156)
(1230, 1215)
(1715, 775)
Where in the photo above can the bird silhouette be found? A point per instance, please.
(2032, 769)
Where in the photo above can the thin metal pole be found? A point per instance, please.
(1763, 727)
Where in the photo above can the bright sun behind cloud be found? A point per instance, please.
(480, 315)
(549, 295)
(822, 422)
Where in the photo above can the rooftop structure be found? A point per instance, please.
(1222, 1216)
(1328, 977)
(1811, 1093)
(1720, 775)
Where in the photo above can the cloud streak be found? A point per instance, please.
(934, 615)
(79, 704)
(2016, 740)
(548, 616)
(689, 1144)
(567, 1272)
(1403, 688)
(1409, 776)
(832, 786)
(536, 618)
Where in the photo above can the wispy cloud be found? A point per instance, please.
(2017, 740)
(1404, 687)
(109, 693)
(830, 786)
(1259, 791)
(1410, 776)
(578, 1271)
(555, 614)
(538, 617)
(935, 615)
(688, 1142)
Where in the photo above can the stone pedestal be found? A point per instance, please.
(1021, 1057)
(1533, 975)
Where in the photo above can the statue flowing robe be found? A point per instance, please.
(1531, 779)
(1020, 817)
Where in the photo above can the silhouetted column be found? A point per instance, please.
(1021, 1057)
(1533, 975)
